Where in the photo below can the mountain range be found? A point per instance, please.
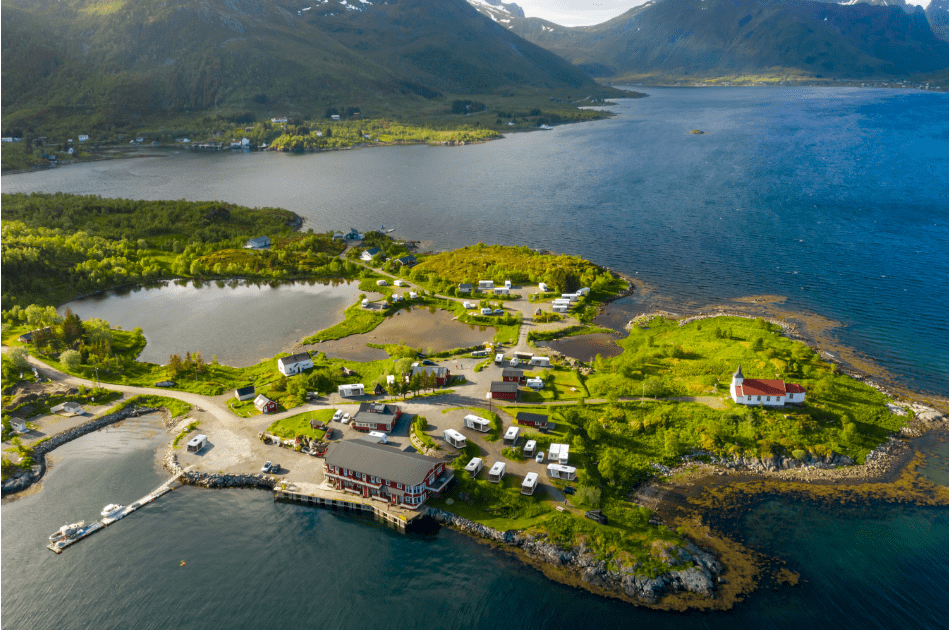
(720, 38)
(116, 60)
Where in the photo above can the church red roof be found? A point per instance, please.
(762, 387)
(793, 388)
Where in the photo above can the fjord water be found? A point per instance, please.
(253, 563)
(836, 199)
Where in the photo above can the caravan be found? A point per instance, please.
(455, 438)
(497, 472)
(559, 453)
(349, 391)
(511, 437)
(529, 449)
(474, 466)
(540, 362)
(529, 483)
(476, 423)
(197, 443)
(558, 471)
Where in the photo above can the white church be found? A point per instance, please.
(757, 391)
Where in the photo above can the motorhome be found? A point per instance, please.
(497, 472)
(476, 423)
(559, 471)
(455, 438)
(474, 466)
(529, 483)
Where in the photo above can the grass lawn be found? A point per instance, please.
(300, 424)
(357, 320)
(559, 383)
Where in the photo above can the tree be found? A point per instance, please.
(19, 358)
(72, 328)
(71, 359)
(672, 445)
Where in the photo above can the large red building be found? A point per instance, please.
(512, 375)
(442, 373)
(504, 390)
(382, 472)
(373, 416)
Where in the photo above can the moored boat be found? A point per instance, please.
(67, 531)
(111, 510)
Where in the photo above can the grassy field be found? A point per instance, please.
(300, 424)
(357, 320)
(560, 384)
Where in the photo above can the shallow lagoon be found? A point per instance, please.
(240, 323)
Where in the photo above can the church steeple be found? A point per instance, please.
(738, 377)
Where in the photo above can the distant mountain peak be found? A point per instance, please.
(498, 10)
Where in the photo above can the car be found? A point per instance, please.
(429, 363)
(498, 311)
(266, 468)
(568, 490)
(597, 516)
(540, 457)
(338, 415)
(275, 468)
(346, 418)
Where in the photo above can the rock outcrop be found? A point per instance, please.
(215, 480)
(699, 578)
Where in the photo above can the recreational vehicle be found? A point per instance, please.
(455, 438)
(511, 437)
(558, 471)
(529, 483)
(529, 449)
(197, 443)
(476, 423)
(497, 472)
(474, 466)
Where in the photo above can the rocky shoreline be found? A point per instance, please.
(215, 480)
(700, 578)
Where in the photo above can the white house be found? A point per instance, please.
(295, 364)
(68, 409)
(258, 243)
(465, 288)
(559, 453)
(349, 391)
(767, 392)
(486, 285)
(369, 254)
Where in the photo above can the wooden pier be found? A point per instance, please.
(320, 496)
(165, 488)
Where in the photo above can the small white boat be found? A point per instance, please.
(67, 531)
(111, 510)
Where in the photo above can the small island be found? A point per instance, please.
(696, 132)
(573, 466)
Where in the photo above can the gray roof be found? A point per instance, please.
(295, 358)
(738, 373)
(511, 372)
(531, 417)
(500, 386)
(380, 461)
(241, 391)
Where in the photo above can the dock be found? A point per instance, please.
(165, 488)
(321, 496)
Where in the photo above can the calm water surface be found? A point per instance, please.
(238, 322)
(834, 198)
(253, 563)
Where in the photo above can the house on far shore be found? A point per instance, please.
(27, 337)
(262, 242)
(265, 404)
(768, 392)
(295, 364)
(245, 393)
(369, 254)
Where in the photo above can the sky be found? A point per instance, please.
(585, 12)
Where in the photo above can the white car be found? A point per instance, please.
(338, 416)
(498, 311)
(346, 419)
(540, 457)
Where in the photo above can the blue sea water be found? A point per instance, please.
(835, 198)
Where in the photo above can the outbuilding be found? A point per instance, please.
(245, 393)
(485, 285)
(497, 472)
(474, 466)
(511, 375)
(503, 391)
(68, 409)
(534, 420)
(455, 438)
(265, 404)
(559, 453)
(349, 391)
(262, 242)
(465, 288)
(476, 423)
(529, 483)
(197, 443)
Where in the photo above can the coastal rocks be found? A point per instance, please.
(42, 448)
(215, 480)
(922, 418)
(699, 578)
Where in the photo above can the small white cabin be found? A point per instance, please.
(535, 383)
(511, 437)
(485, 285)
(455, 438)
(529, 483)
(558, 471)
(348, 391)
(497, 472)
(529, 449)
(197, 443)
(540, 362)
(474, 466)
(476, 423)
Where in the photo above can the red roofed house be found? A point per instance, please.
(372, 416)
(757, 391)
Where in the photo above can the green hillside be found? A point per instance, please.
(116, 63)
